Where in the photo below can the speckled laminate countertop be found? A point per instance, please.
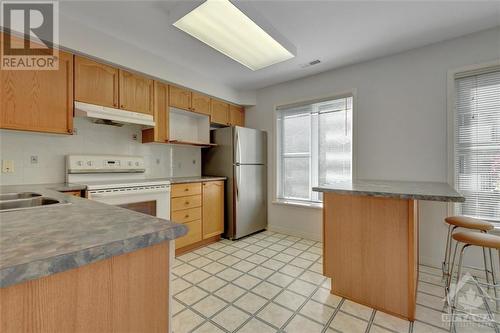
(196, 179)
(44, 241)
(395, 189)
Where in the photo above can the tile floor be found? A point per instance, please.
(271, 282)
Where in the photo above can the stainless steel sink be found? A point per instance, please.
(15, 196)
(34, 202)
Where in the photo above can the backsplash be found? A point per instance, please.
(90, 138)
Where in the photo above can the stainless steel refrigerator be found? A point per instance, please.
(240, 155)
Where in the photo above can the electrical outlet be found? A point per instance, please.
(7, 166)
(157, 161)
(194, 161)
(134, 137)
(34, 159)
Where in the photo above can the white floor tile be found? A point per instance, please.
(185, 321)
(357, 310)
(212, 284)
(191, 295)
(346, 323)
(230, 318)
(209, 306)
(302, 287)
(275, 314)
(230, 292)
(290, 300)
(266, 290)
(391, 322)
(280, 279)
(250, 302)
(317, 311)
(301, 324)
(256, 326)
(246, 281)
(207, 327)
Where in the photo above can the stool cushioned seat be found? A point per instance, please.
(478, 239)
(469, 223)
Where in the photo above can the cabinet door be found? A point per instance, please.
(219, 112)
(180, 98)
(160, 115)
(96, 83)
(236, 115)
(201, 103)
(213, 209)
(136, 93)
(38, 100)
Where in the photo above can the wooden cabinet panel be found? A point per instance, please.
(95, 83)
(136, 93)
(236, 115)
(186, 215)
(180, 98)
(219, 112)
(73, 193)
(182, 190)
(213, 208)
(186, 202)
(193, 235)
(160, 115)
(38, 100)
(201, 103)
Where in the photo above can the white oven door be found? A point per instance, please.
(152, 200)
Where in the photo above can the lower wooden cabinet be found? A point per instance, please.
(213, 209)
(38, 100)
(200, 207)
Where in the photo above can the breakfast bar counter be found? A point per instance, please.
(370, 240)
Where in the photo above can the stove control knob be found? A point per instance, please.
(129, 163)
(89, 163)
(136, 164)
(79, 163)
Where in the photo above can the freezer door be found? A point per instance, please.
(250, 146)
(250, 197)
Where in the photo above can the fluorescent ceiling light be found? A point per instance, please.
(219, 24)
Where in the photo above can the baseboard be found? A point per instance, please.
(296, 233)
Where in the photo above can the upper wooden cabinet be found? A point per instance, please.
(219, 112)
(180, 98)
(236, 115)
(200, 103)
(160, 115)
(213, 208)
(38, 100)
(96, 83)
(136, 92)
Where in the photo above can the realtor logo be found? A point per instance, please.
(31, 35)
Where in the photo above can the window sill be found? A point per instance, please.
(313, 205)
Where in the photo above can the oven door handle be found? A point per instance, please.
(127, 192)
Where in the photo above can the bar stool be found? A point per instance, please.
(486, 241)
(470, 223)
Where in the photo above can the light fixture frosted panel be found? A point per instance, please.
(219, 24)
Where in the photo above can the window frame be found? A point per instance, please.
(450, 121)
(277, 173)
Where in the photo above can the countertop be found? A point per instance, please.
(43, 241)
(395, 189)
(195, 179)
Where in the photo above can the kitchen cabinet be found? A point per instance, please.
(96, 83)
(160, 133)
(200, 207)
(180, 98)
(236, 115)
(135, 92)
(219, 112)
(213, 208)
(200, 103)
(38, 100)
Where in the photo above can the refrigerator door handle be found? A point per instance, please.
(237, 181)
(238, 147)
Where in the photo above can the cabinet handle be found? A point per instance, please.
(122, 106)
(186, 203)
(186, 216)
(186, 189)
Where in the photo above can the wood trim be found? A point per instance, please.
(412, 257)
(197, 245)
(125, 293)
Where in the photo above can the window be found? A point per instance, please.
(314, 146)
(477, 143)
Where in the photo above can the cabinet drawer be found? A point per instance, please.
(193, 235)
(186, 215)
(186, 202)
(182, 190)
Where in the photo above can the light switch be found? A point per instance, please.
(7, 166)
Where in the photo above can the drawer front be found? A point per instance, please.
(186, 215)
(182, 190)
(186, 202)
(193, 235)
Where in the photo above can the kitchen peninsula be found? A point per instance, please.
(370, 240)
(83, 266)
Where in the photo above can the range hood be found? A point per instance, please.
(110, 116)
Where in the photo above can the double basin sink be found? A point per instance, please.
(26, 200)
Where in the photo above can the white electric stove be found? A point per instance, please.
(120, 180)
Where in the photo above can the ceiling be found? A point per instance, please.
(338, 33)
